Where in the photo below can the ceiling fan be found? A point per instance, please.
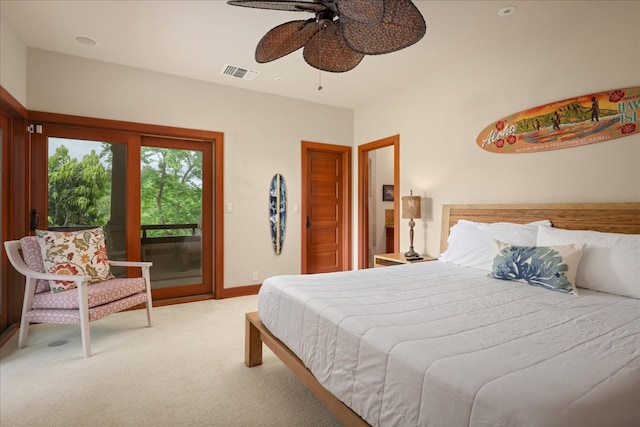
(342, 31)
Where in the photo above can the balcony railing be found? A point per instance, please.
(184, 248)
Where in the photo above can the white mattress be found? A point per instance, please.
(434, 344)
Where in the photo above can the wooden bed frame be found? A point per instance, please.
(606, 217)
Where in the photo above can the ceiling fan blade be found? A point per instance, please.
(362, 11)
(284, 39)
(402, 25)
(327, 51)
(288, 5)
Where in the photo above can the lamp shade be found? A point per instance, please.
(411, 207)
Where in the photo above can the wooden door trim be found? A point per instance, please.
(307, 146)
(5, 130)
(15, 204)
(123, 127)
(10, 106)
(363, 200)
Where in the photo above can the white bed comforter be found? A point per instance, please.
(433, 344)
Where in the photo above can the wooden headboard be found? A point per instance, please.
(606, 217)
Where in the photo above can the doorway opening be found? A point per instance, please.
(367, 225)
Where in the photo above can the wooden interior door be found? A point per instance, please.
(326, 208)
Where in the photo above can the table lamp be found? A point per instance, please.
(410, 210)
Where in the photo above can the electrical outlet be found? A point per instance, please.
(255, 275)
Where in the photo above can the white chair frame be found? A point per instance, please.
(12, 248)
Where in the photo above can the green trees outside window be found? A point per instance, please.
(80, 188)
(171, 192)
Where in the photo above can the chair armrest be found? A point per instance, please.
(48, 276)
(130, 263)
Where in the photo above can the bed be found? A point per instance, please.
(442, 344)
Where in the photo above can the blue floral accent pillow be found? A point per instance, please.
(551, 267)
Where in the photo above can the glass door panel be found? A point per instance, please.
(87, 182)
(171, 210)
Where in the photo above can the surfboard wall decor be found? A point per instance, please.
(586, 119)
(277, 211)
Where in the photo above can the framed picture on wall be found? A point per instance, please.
(387, 193)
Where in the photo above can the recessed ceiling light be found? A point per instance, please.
(506, 11)
(86, 40)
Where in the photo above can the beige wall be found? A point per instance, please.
(439, 117)
(13, 62)
(262, 136)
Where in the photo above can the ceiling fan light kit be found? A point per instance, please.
(342, 31)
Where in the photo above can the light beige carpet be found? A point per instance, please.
(186, 370)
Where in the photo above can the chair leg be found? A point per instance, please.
(24, 332)
(84, 319)
(30, 289)
(147, 278)
(149, 307)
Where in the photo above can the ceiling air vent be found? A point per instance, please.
(239, 72)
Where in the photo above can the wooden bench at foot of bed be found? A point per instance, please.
(256, 334)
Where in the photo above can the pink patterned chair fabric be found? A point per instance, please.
(95, 313)
(33, 258)
(98, 294)
(103, 298)
(79, 305)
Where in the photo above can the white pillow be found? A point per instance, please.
(471, 243)
(611, 261)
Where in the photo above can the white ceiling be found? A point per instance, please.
(195, 39)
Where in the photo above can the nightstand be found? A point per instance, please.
(384, 260)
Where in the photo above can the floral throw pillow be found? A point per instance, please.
(82, 253)
(551, 267)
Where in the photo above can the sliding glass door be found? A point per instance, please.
(175, 203)
(152, 196)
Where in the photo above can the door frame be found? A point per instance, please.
(363, 191)
(216, 138)
(207, 218)
(15, 205)
(345, 150)
(4, 191)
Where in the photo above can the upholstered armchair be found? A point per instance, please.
(80, 302)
